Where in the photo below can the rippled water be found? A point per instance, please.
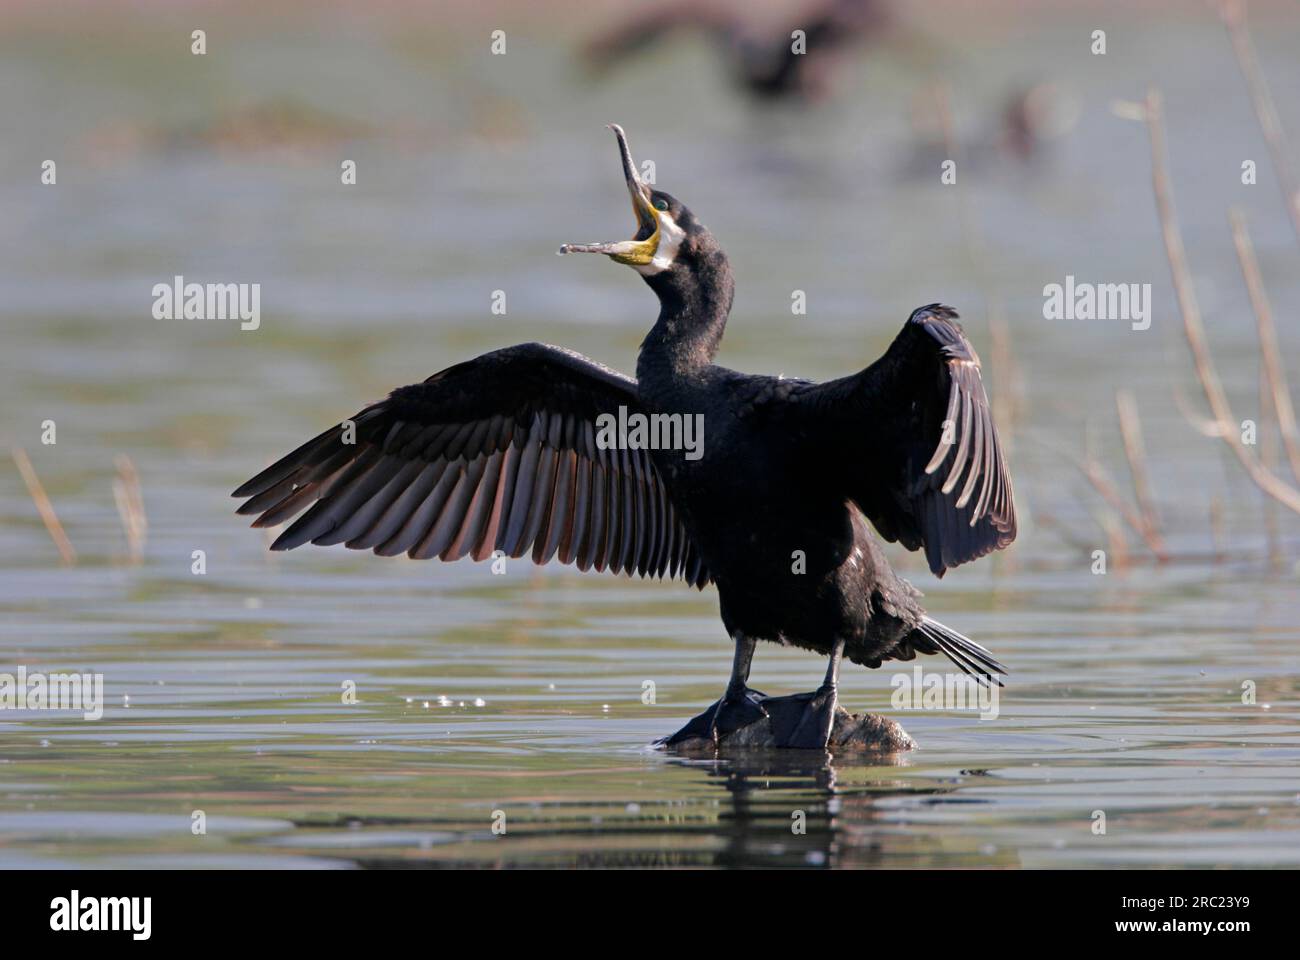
(517, 699)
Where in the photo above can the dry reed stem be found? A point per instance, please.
(1274, 375)
(130, 506)
(1096, 475)
(44, 507)
(1233, 13)
(1130, 428)
(1202, 425)
(1216, 528)
(1193, 328)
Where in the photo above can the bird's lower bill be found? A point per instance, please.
(640, 251)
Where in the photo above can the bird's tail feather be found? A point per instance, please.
(963, 651)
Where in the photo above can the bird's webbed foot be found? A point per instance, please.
(803, 720)
(738, 708)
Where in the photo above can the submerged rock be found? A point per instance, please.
(865, 732)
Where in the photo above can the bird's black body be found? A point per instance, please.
(764, 62)
(502, 453)
(761, 462)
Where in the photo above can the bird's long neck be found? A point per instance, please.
(693, 309)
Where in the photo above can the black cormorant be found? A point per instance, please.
(506, 452)
(766, 64)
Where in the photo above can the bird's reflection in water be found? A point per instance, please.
(805, 808)
(739, 809)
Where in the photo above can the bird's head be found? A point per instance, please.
(672, 250)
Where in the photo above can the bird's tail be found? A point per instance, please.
(963, 651)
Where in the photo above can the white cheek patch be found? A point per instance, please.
(670, 240)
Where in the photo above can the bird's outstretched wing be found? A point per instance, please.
(650, 24)
(918, 451)
(497, 453)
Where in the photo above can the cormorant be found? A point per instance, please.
(766, 65)
(1031, 119)
(507, 452)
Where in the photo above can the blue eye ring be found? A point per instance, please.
(660, 204)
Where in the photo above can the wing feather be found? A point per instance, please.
(498, 453)
(928, 471)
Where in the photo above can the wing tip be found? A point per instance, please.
(937, 310)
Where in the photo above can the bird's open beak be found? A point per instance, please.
(641, 249)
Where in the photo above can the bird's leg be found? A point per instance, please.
(806, 719)
(739, 707)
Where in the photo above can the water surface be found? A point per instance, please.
(483, 697)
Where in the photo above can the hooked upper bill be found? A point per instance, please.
(646, 248)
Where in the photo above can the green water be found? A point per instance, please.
(485, 700)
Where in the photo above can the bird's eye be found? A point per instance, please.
(661, 204)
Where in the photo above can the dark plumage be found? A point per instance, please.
(497, 453)
(763, 63)
(502, 452)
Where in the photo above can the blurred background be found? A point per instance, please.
(522, 693)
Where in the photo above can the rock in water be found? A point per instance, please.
(864, 732)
